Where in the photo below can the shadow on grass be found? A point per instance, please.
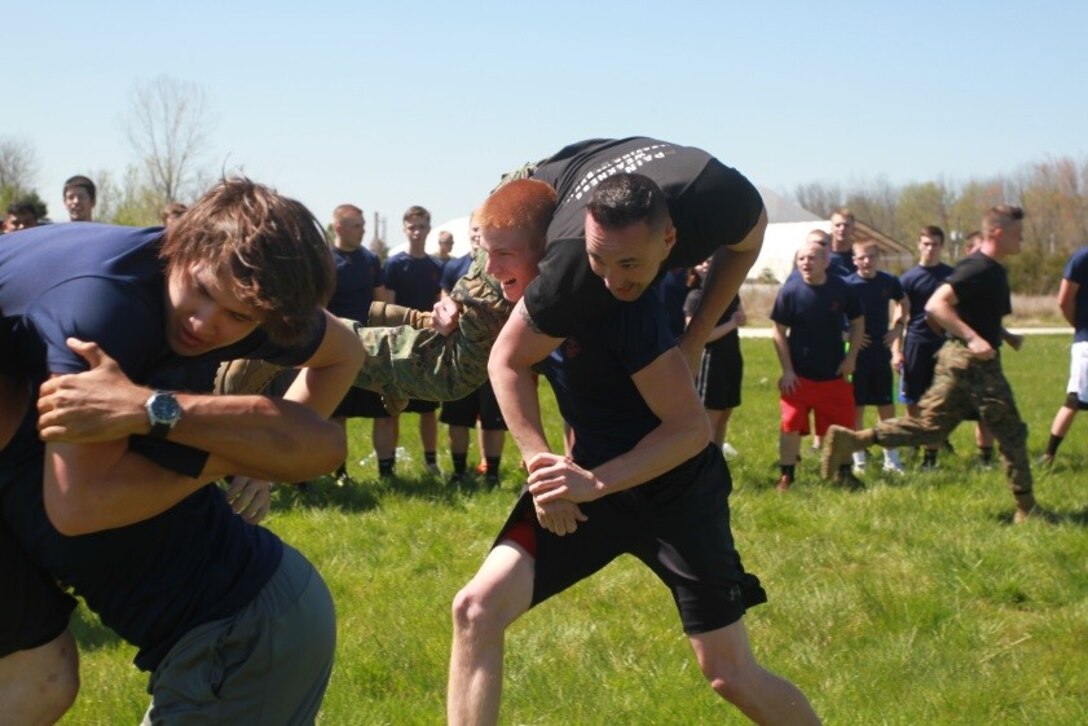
(89, 633)
(364, 495)
(1053, 517)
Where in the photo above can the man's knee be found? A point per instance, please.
(476, 607)
(41, 684)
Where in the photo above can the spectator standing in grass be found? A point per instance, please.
(872, 377)
(721, 369)
(1073, 302)
(809, 316)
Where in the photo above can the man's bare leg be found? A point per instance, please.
(499, 592)
(727, 662)
(38, 685)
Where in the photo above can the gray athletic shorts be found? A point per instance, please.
(267, 664)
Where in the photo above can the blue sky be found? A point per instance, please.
(391, 104)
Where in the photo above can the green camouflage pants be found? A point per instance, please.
(405, 358)
(963, 384)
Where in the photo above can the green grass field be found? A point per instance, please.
(913, 602)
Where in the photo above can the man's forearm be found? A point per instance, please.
(782, 350)
(128, 490)
(264, 437)
(516, 392)
(728, 269)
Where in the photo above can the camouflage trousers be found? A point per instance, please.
(405, 358)
(963, 384)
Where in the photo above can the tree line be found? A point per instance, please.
(1053, 192)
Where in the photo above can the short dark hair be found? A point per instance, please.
(999, 217)
(273, 246)
(23, 207)
(417, 211)
(933, 232)
(81, 181)
(625, 199)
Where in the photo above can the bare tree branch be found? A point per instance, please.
(168, 128)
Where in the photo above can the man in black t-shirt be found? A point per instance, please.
(642, 478)
(969, 305)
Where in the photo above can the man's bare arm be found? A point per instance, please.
(728, 269)
(1067, 300)
(683, 432)
(518, 347)
(276, 439)
(941, 306)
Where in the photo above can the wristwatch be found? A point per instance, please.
(163, 411)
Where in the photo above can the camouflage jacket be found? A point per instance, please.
(404, 357)
(410, 360)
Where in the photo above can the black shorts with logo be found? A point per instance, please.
(677, 524)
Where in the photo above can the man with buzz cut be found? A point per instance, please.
(969, 306)
(107, 483)
(643, 478)
(358, 284)
(809, 315)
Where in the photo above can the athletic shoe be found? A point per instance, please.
(894, 467)
(1046, 461)
(728, 451)
(784, 482)
(433, 470)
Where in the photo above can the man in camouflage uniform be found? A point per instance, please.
(406, 355)
(969, 306)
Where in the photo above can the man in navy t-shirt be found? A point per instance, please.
(1073, 302)
(643, 479)
(809, 315)
(915, 354)
(842, 242)
(358, 283)
(872, 377)
(412, 280)
(105, 488)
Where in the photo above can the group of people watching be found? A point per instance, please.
(133, 364)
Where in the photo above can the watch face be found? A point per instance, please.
(165, 408)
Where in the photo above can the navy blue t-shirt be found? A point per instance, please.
(357, 274)
(196, 562)
(454, 270)
(673, 291)
(1076, 270)
(415, 281)
(919, 283)
(841, 263)
(815, 316)
(591, 374)
(875, 294)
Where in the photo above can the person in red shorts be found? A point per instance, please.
(809, 315)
